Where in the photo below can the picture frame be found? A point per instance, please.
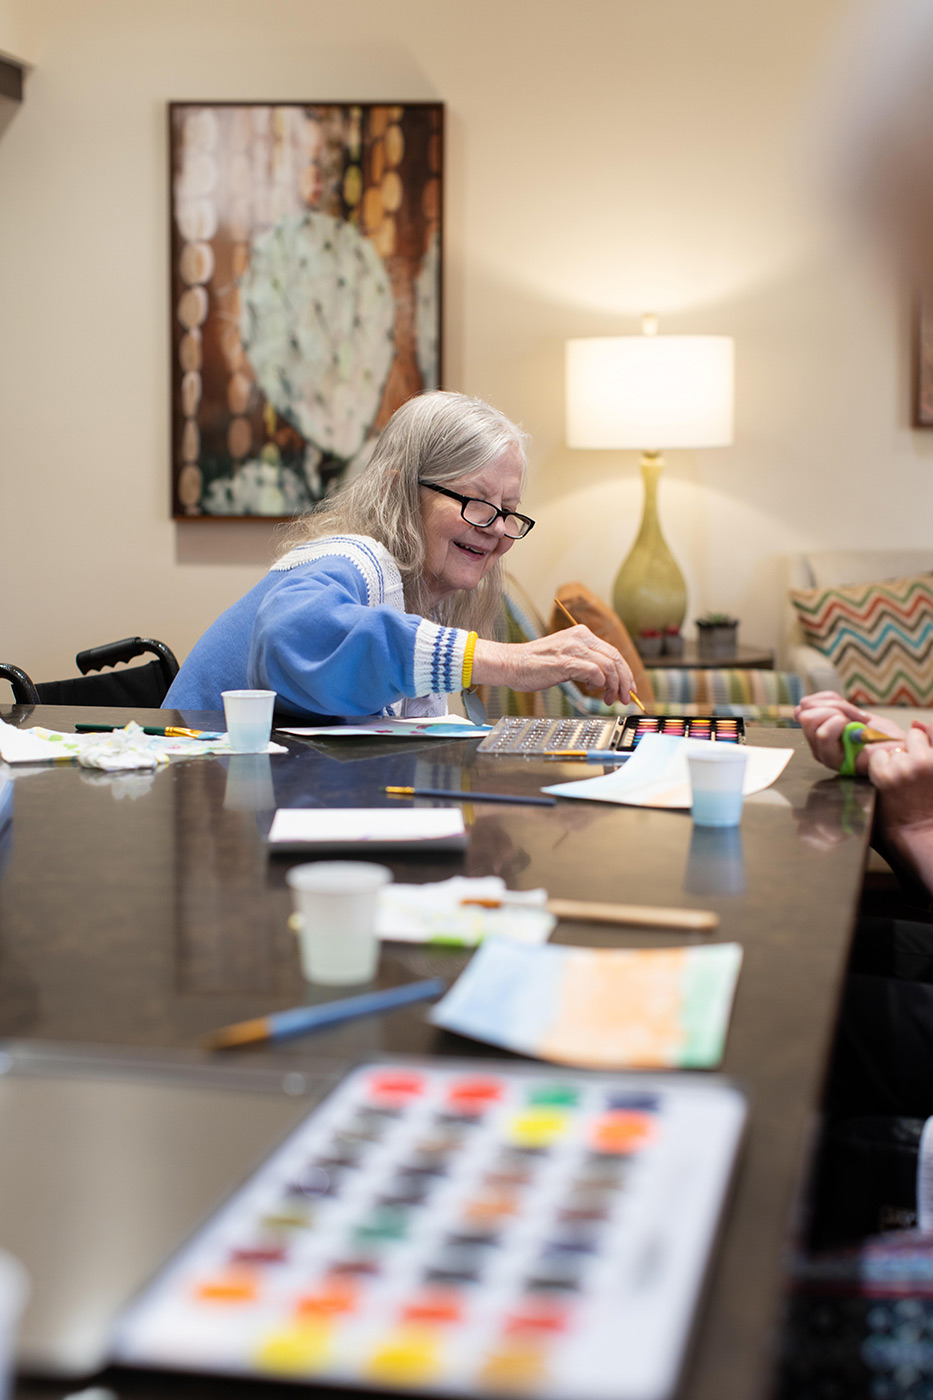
(306, 294)
(922, 415)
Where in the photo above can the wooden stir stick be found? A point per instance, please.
(630, 915)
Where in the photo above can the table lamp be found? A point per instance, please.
(650, 392)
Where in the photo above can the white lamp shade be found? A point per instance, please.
(650, 391)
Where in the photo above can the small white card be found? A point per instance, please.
(330, 828)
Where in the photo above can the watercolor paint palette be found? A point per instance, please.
(540, 738)
(461, 1228)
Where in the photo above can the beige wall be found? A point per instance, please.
(604, 157)
(18, 29)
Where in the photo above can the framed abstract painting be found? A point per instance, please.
(305, 294)
(923, 363)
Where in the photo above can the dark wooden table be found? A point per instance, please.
(143, 910)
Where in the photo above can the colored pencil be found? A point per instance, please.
(302, 1019)
(461, 796)
(588, 755)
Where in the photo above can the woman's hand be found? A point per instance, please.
(904, 779)
(824, 716)
(573, 654)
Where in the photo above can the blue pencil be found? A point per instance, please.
(604, 756)
(302, 1019)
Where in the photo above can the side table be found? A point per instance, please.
(748, 658)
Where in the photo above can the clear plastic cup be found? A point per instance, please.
(336, 901)
(716, 778)
(248, 716)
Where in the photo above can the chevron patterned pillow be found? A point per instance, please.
(879, 637)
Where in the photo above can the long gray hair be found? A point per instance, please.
(438, 436)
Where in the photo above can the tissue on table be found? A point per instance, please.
(121, 750)
(435, 913)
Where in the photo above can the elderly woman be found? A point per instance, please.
(385, 598)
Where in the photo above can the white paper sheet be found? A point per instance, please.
(320, 828)
(599, 1008)
(657, 776)
(436, 727)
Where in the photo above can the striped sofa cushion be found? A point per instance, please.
(722, 688)
(879, 637)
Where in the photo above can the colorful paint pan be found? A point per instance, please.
(485, 1232)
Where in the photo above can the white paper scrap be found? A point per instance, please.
(113, 751)
(657, 775)
(436, 913)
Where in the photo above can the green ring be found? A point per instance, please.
(851, 747)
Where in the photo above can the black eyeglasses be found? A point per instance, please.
(484, 513)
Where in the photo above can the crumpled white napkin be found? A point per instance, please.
(123, 749)
(435, 913)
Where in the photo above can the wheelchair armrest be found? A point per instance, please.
(24, 691)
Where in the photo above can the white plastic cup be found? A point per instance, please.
(14, 1294)
(716, 778)
(336, 901)
(248, 716)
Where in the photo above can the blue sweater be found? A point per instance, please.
(326, 629)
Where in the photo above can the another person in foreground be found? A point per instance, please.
(386, 596)
(902, 771)
(875, 1163)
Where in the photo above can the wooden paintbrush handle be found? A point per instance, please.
(642, 915)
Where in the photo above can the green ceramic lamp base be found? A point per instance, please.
(649, 592)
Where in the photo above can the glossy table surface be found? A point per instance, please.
(142, 910)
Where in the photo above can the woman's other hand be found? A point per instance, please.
(903, 776)
(573, 654)
(824, 716)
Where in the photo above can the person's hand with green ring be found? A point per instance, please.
(824, 716)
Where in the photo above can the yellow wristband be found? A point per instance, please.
(468, 659)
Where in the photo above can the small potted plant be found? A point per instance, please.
(717, 635)
(673, 642)
(650, 641)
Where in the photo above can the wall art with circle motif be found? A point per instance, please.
(305, 296)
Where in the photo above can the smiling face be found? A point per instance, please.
(457, 555)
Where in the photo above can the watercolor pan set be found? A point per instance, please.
(464, 1228)
(542, 738)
